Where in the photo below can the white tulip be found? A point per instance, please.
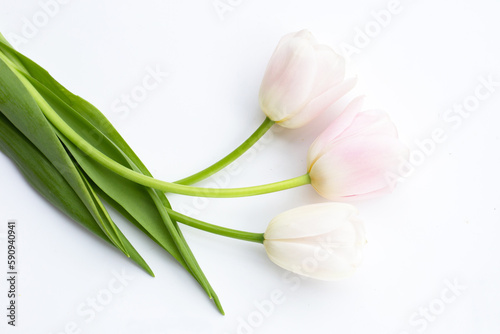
(323, 241)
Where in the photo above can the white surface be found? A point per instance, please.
(439, 227)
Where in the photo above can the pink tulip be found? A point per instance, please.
(351, 159)
(303, 78)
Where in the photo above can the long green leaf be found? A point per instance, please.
(91, 124)
(19, 107)
(47, 180)
(145, 205)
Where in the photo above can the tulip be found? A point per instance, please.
(303, 78)
(352, 158)
(323, 241)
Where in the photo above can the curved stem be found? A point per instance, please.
(190, 262)
(263, 128)
(226, 232)
(148, 181)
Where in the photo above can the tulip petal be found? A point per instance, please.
(323, 241)
(308, 221)
(357, 167)
(319, 146)
(303, 78)
(370, 122)
(331, 69)
(288, 79)
(312, 261)
(319, 104)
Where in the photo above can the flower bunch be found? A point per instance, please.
(75, 158)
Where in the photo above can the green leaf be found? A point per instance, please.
(143, 204)
(19, 107)
(146, 206)
(47, 180)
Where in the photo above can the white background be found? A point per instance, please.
(440, 227)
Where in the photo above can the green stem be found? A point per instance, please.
(145, 180)
(190, 262)
(245, 146)
(226, 232)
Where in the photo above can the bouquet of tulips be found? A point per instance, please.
(72, 155)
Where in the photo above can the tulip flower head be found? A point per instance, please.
(323, 241)
(353, 156)
(303, 78)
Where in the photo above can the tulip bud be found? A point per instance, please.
(323, 241)
(353, 156)
(303, 78)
